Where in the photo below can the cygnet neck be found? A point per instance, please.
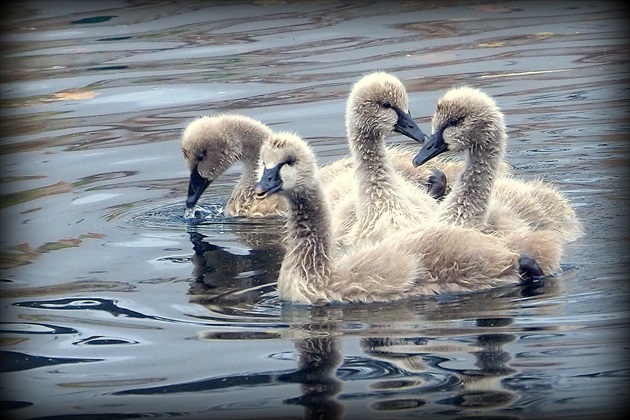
(309, 237)
(467, 205)
(249, 157)
(372, 167)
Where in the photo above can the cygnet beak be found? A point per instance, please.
(434, 146)
(196, 186)
(408, 127)
(270, 182)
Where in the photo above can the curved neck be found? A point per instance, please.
(249, 177)
(249, 156)
(243, 192)
(373, 171)
(309, 234)
(467, 204)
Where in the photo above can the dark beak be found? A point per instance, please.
(432, 147)
(408, 127)
(269, 183)
(196, 186)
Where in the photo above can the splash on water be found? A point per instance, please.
(212, 212)
(172, 215)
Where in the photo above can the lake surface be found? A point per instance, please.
(115, 307)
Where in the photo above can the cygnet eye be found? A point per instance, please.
(386, 105)
(290, 161)
(201, 156)
(453, 121)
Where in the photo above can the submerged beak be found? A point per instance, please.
(433, 147)
(196, 186)
(408, 127)
(269, 183)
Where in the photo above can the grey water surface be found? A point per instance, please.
(114, 306)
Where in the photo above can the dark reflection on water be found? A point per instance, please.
(235, 285)
(14, 361)
(96, 304)
(114, 305)
(398, 368)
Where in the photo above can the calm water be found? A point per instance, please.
(113, 306)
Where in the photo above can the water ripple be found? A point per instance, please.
(34, 328)
(16, 361)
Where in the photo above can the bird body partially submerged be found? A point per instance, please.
(533, 216)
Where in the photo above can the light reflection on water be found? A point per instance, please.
(116, 306)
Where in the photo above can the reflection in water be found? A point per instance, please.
(455, 357)
(466, 387)
(226, 282)
(96, 304)
(14, 361)
(319, 351)
(431, 368)
(484, 387)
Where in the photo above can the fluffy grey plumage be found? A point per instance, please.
(425, 260)
(533, 215)
(383, 201)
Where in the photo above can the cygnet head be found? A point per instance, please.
(377, 105)
(465, 119)
(288, 164)
(212, 144)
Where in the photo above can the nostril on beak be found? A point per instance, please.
(259, 191)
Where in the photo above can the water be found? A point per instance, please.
(115, 306)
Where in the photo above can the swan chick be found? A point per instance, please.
(383, 200)
(534, 216)
(211, 144)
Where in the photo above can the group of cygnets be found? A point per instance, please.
(390, 223)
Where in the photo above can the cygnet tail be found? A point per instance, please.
(544, 246)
